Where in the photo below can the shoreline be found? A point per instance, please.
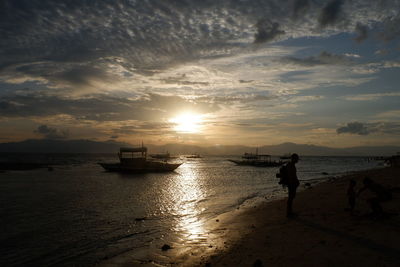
(323, 233)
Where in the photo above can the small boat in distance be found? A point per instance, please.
(250, 159)
(134, 159)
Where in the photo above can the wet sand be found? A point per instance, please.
(323, 233)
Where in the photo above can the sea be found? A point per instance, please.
(77, 214)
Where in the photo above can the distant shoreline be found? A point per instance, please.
(90, 146)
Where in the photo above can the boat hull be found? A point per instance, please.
(147, 167)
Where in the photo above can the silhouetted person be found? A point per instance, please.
(292, 184)
(381, 195)
(351, 195)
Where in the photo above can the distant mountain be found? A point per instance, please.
(312, 150)
(61, 146)
(88, 146)
(301, 149)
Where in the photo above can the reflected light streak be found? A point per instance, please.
(187, 204)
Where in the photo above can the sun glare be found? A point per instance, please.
(187, 123)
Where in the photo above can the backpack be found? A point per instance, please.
(283, 175)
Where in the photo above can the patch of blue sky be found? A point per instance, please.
(336, 109)
(343, 43)
(386, 81)
(10, 88)
(294, 76)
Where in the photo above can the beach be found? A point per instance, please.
(323, 234)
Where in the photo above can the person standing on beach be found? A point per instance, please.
(292, 184)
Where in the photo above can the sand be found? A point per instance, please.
(323, 233)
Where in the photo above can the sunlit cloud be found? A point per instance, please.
(370, 97)
(124, 69)
(391, 114)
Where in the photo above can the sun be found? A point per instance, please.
(187, 122)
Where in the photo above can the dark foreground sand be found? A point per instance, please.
(323, 234)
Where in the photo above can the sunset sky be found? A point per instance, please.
(204, 72)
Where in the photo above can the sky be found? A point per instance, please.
(203, 72)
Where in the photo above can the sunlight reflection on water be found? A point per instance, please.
(188, 191)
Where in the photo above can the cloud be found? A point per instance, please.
(146, 128)
(51, 133)
(391, 114)
(370, 97)
(360, 128)
(324, 58)
(49, 42)
(354, 128)
(101, 107)
(306, 98)
(391, 28)
(267, 31)
(375, 67)
(330, 13)
(300, 7)
(238, 99)
(362, 32)
(352, 55)
(381, 52)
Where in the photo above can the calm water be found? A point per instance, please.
(78, 214)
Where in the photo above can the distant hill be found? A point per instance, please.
(61, 146)
(88, 146)
(312, 150)
(301, 149)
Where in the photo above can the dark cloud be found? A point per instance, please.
(362, 32)
(330, 13)
(360, 128)
(236, 99)
(182, 80)
(246, 81)
(145, 36)
(147, 128)
(324, 58)
(391, 28)
(354, 128)
(300, 7)
(51, 133)
(101, 107)
(81, 76)
(76, 43)
(67, 75)
(267, 31)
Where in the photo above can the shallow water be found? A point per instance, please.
(79, 214)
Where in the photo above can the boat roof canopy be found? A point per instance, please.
(133, 149)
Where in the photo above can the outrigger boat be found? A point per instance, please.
(134, 159)
(257, 160)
